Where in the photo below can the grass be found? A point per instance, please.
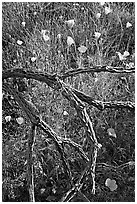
(25, 22)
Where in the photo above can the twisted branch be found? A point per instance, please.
(97, 69)
(33, 116)
(51, 80)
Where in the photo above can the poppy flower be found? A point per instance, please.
(123, 57)
(128, 25)
(98, 15)
(126, 54)
(23, 23)
(20, 120)
(107, 10)
(65, 113)
(97, 35)
(45, 35)
(19, 42)
(82, 49)
(33, 59)
(111, 184)
(102, 3)
(59, 36)
(8, 118)
(70, 23)
(111, 132)
(70, 41)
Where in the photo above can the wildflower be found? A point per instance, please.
(126, 54)
(70, 23)
(19, 42)
(123, 57)
(82, 49)
(128, 25)
(102, 3)
(45, 35)
(20, 120)
(97, 35)
(54, 190)
(42, 190)
(111, 184)
(8, 118)
(23, 23)
(131, 163)
(131, 179)
(120, 56)
(96, 79)
(98, 15)
(70, 41)
(33, 59)
(65, 113)
(61, 17)
(59, 36)
(14, 60)
(111, 132)
(107, 10)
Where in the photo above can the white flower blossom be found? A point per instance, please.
(19, 42)
(111, 184)
(8, 118)
(20, 120)
(70, 23)
(97, 35)
(33, 59)
(65, 113)
(128, 25)
(23, 23)
(82, 49)
(70, 41)
(98, 15)
(102, 3)
(45, 35)
(107, 10)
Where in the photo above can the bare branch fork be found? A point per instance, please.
(75, 97)
(33, 116)
(81, 110)
(79, 184)
(51, 81)
(85, 118)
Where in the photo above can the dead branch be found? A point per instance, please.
(52, 81)
(30, 163)
(33, 116)
(122, 166)
(97, 69)
(76, 146)
(31, 112)
(76, 188)
(103, 105)
(50, 132)
(74, 97)
(85, 118)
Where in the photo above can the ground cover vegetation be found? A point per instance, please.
(68, 119)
